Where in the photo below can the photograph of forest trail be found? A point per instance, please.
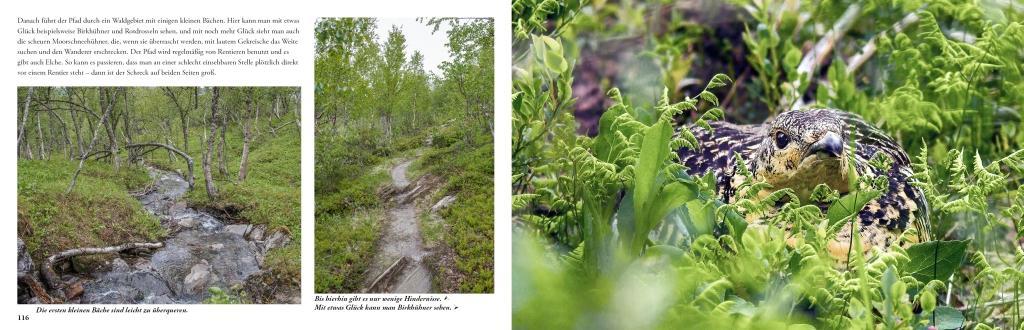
(159, 195)
(759, 164)
(404, 155)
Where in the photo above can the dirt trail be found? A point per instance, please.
(401, 238)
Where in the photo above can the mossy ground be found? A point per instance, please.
(349, 212)
(468, 173)
(100, 211)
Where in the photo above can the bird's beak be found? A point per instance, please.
(830, 145)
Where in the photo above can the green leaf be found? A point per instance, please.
(849, 205)
(552, 44)
(672, 196)
(517, 101)
(665, 250)
(936, 259)
(653, 152)
(520, 201)
(800, 326)
(700, 218)
(742, 307)
(553, 58)
(948, 318)
(792, 60)
(555, 62)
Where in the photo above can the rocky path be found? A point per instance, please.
(398, 265)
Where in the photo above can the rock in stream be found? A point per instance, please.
(200, 253)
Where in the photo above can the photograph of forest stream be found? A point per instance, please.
(159, 195)
(760, 164)
(404, 163)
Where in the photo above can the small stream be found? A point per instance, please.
(200, 252)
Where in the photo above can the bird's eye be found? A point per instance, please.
(781, 140)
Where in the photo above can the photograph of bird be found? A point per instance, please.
(801, 149)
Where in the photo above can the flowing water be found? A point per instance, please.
(402, 239)
(201, 252)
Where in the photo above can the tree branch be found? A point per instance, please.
(188, 159)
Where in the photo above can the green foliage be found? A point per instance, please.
(348, 212)
(50, 222)
(343, 183)
(773, 55)
(533, 16)
(344, 248)
(376, 104)
(469, 222)
(612, 231)
(219, 296)
(935, 260)
(104, 212)
(956, 90)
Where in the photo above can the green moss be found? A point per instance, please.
(431, 230)
(360, 193)
(344, 248)
(349, 171)
(99, 212)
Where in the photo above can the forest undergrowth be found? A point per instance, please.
(378, 105)
(591, 197)
(115, 133)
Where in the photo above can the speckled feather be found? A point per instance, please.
(881, 220)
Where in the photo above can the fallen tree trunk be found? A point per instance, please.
(814, 58)
(869, 49)
(53, 281)
(37, 288)
(383, 282)
(188, 159)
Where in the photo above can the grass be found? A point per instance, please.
(99, 212)
(348, 215)
(469, 229)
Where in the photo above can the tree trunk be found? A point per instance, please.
(78, 130)
(63, 130)
(183, 112)
(184, 129)
(298, 104)
(42, 139)
(211, 190)
(195, 107)
(81, 160)
(24, 119)
(277, 106)
(243, 166)
(127, 127)
(256, 122)
(222, 167)
(110, 125)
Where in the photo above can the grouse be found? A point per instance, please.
(801, 149)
